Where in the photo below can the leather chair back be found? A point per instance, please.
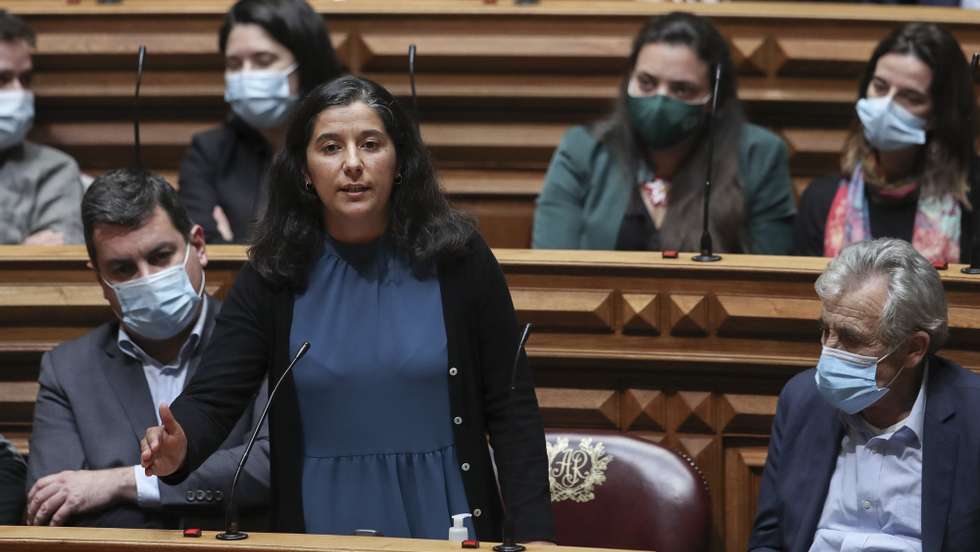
(610, 490)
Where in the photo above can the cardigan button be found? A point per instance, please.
(200, 495)
(457, 420)
(453, 371)
(477, 512)
(465, 466)
(189, 495)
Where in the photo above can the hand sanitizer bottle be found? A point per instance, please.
(458, 532)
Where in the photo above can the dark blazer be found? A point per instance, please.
(94, 406)
(805, 442)
(225, 166)
(250, 344)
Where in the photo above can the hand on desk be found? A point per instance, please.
(54, 499)
(164, 446)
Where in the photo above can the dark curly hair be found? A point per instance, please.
(422, 226)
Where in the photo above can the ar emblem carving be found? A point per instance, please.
(576, 473)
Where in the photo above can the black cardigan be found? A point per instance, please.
(250, 342)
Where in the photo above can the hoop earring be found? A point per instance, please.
(309, 186)
(398, 178)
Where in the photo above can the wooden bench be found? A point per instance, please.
(497, 83)
(687, 354)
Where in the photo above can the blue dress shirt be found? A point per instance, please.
(874, 502)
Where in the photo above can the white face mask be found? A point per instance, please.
(889, 126)
(161, 305)
(261, 98)
(16, 116)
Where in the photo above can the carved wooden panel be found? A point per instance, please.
(744, 315)
(746, 413)
(597, 408)
(688, 314)
(743, 475)
(641, 313)
(644, 409)
(577, 310)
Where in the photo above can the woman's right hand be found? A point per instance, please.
(164, 447)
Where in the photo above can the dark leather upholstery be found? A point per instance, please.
(652, 498)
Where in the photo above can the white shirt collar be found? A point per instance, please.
(915, 421)
(130, 348)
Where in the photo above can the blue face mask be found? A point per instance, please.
(161, 305)
(16, 116)
(848, 381)
(261, 98)
(889, 126)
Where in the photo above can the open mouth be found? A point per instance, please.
(354, 188)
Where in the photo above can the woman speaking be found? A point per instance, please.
(384, 423)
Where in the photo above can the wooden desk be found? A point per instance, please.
(498, 84)
(83, 539)
(688, 354)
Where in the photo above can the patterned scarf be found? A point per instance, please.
(935, 234)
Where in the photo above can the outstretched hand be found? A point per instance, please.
(164, 447)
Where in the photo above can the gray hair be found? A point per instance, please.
(916, 299)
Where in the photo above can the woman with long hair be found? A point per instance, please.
(907, 165)
(635, 181)
(275, 52)
(384, 422)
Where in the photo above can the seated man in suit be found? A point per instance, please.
(878, 447)
(99, 392)
(40, 187)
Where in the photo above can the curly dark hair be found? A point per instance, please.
(422, 226)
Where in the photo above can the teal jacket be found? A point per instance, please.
(585, 194)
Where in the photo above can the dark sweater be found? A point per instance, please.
(250, 342)
(225, 167)
(891, 219)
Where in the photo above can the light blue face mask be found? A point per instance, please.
(261, 98)
(848, 380)
(889, 126)
(16, 116)
(161, 305)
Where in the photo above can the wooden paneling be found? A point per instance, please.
(686, 354)
(90, 539)
(497, 83)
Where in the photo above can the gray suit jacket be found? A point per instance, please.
(94, 406)
(40, 189)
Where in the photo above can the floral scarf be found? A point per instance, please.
(935, 234)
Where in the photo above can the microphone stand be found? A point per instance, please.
(411, 81)
(974, 267)
(231, 531)
(507, 530)
(137, 150)
(707, 256)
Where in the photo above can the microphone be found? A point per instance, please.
(707, 256)
(974, 267)
(231, 531)
(507, 529)
(411, 81)
(138, 153)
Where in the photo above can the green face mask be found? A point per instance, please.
(662, 121)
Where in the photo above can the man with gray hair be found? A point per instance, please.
(878, 447)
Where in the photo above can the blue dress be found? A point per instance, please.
(373, 392)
